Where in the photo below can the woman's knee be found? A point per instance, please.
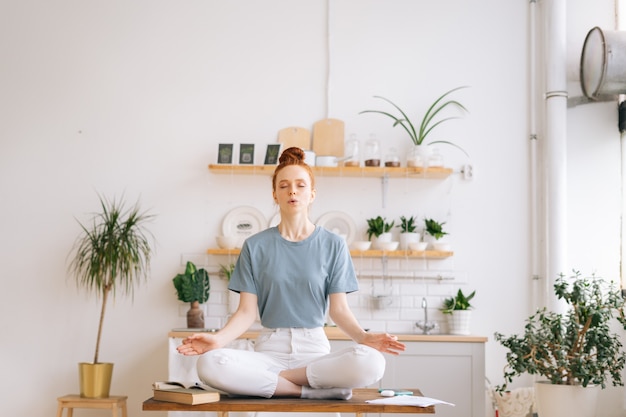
(209, 364)
(357, 366)
(370, 364)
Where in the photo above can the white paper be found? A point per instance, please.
(409, 400)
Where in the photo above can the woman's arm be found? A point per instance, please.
(342, 315)
(199, 343)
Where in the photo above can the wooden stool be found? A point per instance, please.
(76, 401)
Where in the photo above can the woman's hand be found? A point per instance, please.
(198, 343)
(383, 342)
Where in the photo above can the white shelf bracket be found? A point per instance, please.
(384, 185)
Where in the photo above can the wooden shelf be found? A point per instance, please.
(365, 172)
(427, 254)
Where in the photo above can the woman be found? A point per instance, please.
(291, 273)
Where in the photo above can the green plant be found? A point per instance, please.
(377, 226)
(434, 228)
(112, 254)
(193, 284)
(427, 124)
(407, 225)
(575, 347)
(459, 302)
(227, 271)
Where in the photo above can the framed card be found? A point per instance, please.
(246, 153)
(225, 153)
(271, 155)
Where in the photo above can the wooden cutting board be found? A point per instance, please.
(328, 137)
(295, 136)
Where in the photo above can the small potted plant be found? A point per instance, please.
(419, 155)
(572, 350)
(233, 297)
(380, 229)
(434, 233)
(110, 257)
(408, 232)
(458, 311)
(193, 286)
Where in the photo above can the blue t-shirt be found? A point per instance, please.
(292, 280)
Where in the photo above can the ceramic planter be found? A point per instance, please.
(459, 322)
(566, 400)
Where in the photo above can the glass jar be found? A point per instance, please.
(372, 152)
(392, 159)
(436, 159)
(352, 155)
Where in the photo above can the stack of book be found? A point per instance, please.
(191, 393)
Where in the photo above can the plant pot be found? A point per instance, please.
(383, 238)
(515, 403)
(459, 322)
(566, 400)
(195, 316)
(406, 238)
(95, 379)
(418, 156)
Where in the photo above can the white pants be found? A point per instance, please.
(241, 372)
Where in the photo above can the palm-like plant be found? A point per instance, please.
(112, 254)
(428, 123)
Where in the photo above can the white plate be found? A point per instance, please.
(243, 222)
(340, 223)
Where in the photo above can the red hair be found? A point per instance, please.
(292, 156)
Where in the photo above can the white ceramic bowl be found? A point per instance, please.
(389, 246)
(326, 161)
(442, 246)
(418, 246)
(227, 242)
(361, 245)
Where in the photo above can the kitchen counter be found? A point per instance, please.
(334, 333)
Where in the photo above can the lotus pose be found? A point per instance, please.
(291, 273)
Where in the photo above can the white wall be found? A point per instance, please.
(133, 97)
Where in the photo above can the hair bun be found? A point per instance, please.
(293, 155)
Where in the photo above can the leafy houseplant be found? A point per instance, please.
(377, 226)
(435, 228)
(572, 348)
(407, 225)
(428, 123)
(458, 302)
(227, 270)
(458, 311)
(110, 255)
(193, 286)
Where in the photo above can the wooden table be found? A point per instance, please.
(355, 405)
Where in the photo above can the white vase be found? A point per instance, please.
(385, 237)
(566, 400)
(418, 156)
(406, 238)
(459, 322)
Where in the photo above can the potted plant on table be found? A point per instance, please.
(193, 286)
(458, 311)
(419, 155)
(380, 229)
(111, 255)
(573, 350)
(408, 232)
